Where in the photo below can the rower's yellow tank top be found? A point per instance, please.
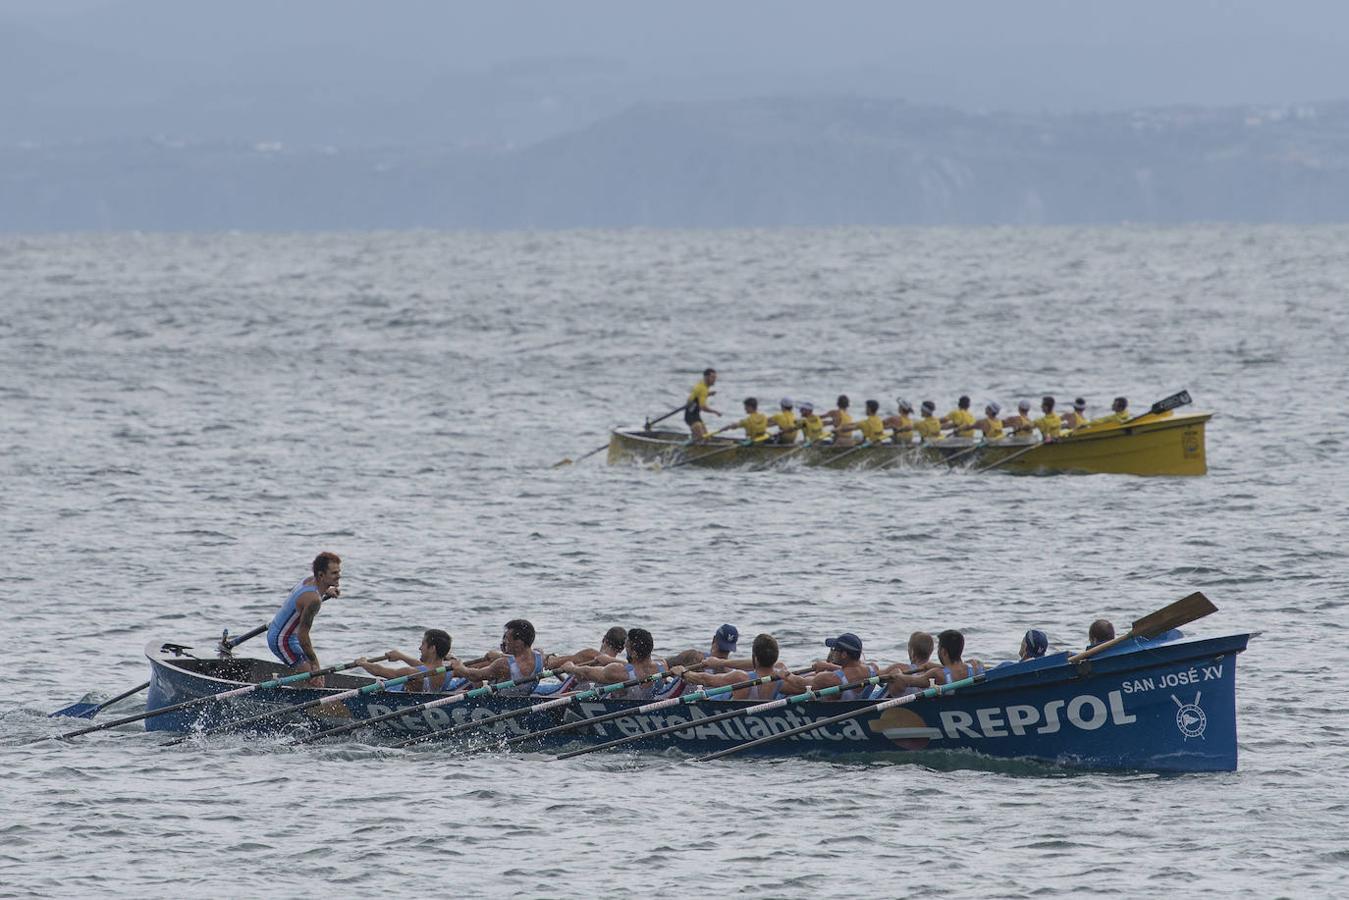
(928, 428)
(1050, 425)
(903, 429)
(755, 425)
(963, 419)
(785, 420)
(813, 427)
(699, 393)
(872, 428)
(994, 428)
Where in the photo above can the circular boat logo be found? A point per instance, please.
(1189, 442)
(1190, 719)
(907, 729)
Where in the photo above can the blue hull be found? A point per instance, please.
(1150, 706)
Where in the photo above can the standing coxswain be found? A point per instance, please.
(696, 405)
(288, 636)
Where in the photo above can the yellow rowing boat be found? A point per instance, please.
(1153, 444)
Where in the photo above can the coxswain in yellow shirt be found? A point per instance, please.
(960, 418)
(990, 424)
(839, 419)
(1020, 423)
(785, 420)
(1078, 417)
(1050, 425)
(872, 428)
(696, 405)
(755, 423)
(811, 425)
(928, 427)
(900, 424)
(1119, 413)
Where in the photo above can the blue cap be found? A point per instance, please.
(1037, 642)
(726, 638)
(846, 641)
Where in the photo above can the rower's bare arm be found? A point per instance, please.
(309, 604)
(497, 670)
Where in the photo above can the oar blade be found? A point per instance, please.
(565, 461)
(1178, 399)
(77, 711)
(1182, 612)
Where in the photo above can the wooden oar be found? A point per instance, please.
(484, 691)
(224, 695)
(843, 717)
(590, 694)
(567, 460)
(1182, 612)
(810, 694)
(648, 707)
(89, 710)
(379, 684)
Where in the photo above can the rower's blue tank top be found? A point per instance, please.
(521, 690)
(855, 693)
(753, 691)
(648, 691)
(971, 670)
(287, 619)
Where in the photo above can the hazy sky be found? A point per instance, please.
(193, 65)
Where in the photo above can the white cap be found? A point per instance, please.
(904, 405)
(1023, 405)
(993, 407)
(805, 404)
(786, 402)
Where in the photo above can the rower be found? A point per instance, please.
(990, 424)
(1119, 413)
(763, 662)
(755, 423)
(839, 419)
(434, 650)
(1078, 417)
(949, 667)
(724, 641)
(288, 636)
(1050, 424)
(696, 405)
(872, 428)
(843, 665)
(518, 661)
(928, 427)
(611, 644)
(785, 420)
(1021, 423)
(960, 418)
(920, 657)
(900, 424)
(640, 663)
(1034, 644)
(811, 425)
(1101, 630)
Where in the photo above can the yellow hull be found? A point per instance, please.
(1165, 444)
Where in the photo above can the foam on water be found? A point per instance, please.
(187, 419)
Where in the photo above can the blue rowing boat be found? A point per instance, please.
(1145, 705)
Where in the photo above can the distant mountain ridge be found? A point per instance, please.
(764, 162)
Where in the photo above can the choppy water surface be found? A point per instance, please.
(188, 419)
